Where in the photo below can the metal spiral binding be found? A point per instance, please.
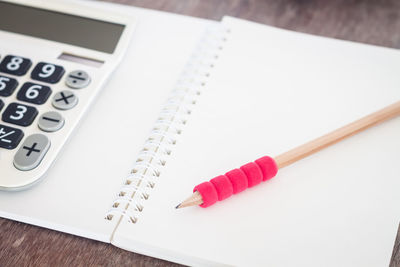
(137, 187)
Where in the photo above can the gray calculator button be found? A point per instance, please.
(51, 121)
(77, 79)
(31, 153)
(65, 100)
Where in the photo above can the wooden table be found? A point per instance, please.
(374, 22)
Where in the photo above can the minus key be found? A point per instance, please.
(51, 121)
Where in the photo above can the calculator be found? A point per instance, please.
(55, 56)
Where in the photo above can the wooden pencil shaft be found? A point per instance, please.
(322, 142)
(331, 138)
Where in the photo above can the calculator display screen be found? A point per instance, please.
(70, 29)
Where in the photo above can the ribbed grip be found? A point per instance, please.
(237, 180)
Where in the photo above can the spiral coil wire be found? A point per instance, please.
(137, 187)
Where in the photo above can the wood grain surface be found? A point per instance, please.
(368, 21)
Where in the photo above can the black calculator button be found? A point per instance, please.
(7, 85)
(1, 104)
(15, 65)
(10, 137)
(19, 114)
(47, 72)
(34, 93)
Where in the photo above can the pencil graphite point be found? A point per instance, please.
(193, 200)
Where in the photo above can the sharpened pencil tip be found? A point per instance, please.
(194, 200)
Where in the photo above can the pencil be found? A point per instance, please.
(221, 187)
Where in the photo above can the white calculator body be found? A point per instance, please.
(54, 58)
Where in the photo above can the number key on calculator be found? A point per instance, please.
(15, 65)
(47, 72)
(19, 114)
(7, 85)
(34, 93)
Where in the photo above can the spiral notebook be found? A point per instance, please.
(194, 98)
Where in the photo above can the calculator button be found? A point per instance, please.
(51, 121)
(7, 85)
(34, 93)
(65, 100)
(31, 153)
(10, 137)
(77, 79)
(15, 65)
(47, 72)
(1, 104)
(20, 114)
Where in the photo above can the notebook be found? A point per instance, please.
(201, 98)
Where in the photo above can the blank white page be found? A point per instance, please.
(80, 188)
(270, 91)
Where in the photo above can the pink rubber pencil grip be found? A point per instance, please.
(237, 180)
